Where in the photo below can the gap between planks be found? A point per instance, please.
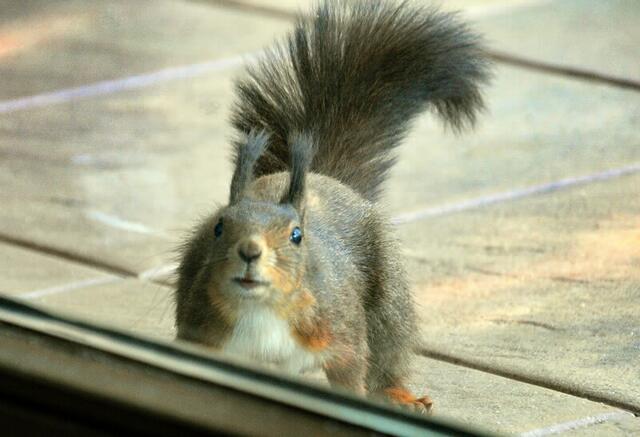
(127, 83)
(528, 379)
(583, 422)
(183, 72)
(66, 255)
(155, 274)
(64, 288)
(476, 12)
(517, 194)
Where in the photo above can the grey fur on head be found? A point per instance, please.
(301, 150)
(247, 152)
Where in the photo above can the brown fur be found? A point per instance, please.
(319, 119)
(313, 335)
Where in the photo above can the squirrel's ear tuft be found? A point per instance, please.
(301, 151)
(247, 153)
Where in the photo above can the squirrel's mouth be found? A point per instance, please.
(249, 283)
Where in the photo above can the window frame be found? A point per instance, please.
(59, 372)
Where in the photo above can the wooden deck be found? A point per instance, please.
(522, 238)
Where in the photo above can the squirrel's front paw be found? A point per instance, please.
(404, 398)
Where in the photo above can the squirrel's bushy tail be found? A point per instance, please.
(353, 76)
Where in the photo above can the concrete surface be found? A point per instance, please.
(521, 238)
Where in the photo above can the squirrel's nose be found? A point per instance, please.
(249, 250)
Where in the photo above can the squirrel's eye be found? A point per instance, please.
(217, 231)
(296, 235)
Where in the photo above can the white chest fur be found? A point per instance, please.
(261, 336)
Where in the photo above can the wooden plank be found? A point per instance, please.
(132, 171)
(31, 274)
(130, 305)
(538, 129)
(505, 406)
(466, 396)
(66, 44)
(545, 289)
(586, 34)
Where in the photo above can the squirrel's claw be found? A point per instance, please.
(423, 405)
(402, 397)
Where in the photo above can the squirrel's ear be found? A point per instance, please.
(247, 153)
(301, 149)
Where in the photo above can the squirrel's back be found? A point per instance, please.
(351, 78)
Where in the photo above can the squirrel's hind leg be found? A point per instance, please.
(348, 366)
(347, 376)
(392, 335)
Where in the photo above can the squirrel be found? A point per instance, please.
(301, 270)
